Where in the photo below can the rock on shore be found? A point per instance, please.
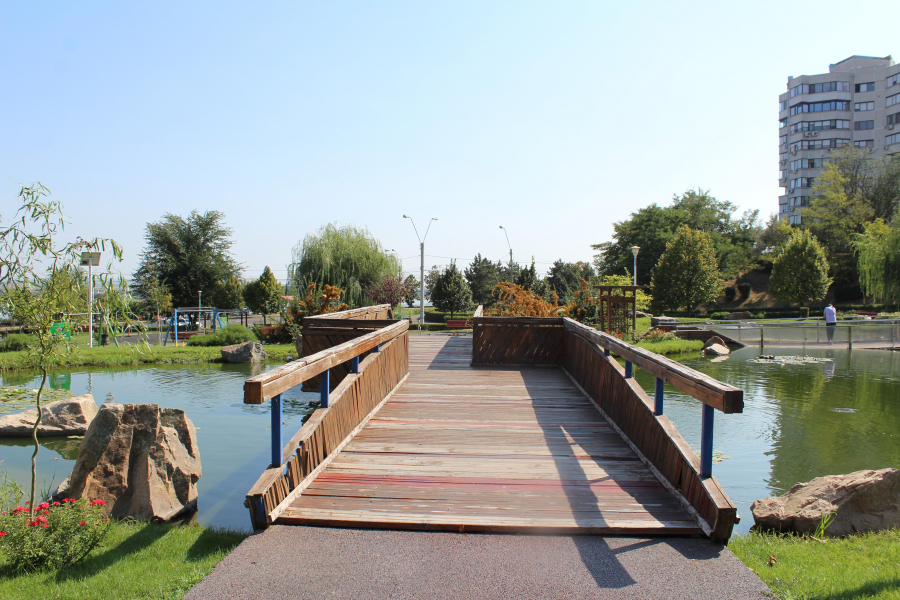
(248, 352)
(62, 417)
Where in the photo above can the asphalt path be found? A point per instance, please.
(288, 562)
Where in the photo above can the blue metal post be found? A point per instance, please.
(706, 441)
(606, 352)
(658, 397)
(168, 329)
(354, 364)
(377, 348)
(628, 370)
(175, 318)
(276, 430)
(324, 388)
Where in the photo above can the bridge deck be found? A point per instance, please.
(479, 449)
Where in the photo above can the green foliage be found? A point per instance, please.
(391, 289)
(15, 342)
(719, 316)
(157, 298)
(744, 288)
(413, 285)
(804, 312)
(643, 301)
(346, 257)
(203, 339)
(265, 296)
(482, 275)
(687, 273)
(230, 295)
(800, 270)
(730, 293)
(450, 292)
(565, 278)
(226, 336)
(652, 227)
(188, 256)
(878, 250)
(52, 535)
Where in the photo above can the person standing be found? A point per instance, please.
(830, 322)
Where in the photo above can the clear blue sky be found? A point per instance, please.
(554, 119)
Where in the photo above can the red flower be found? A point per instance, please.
(45, 512)
(28, 502)
(30, 524)
(82, 523)
(19, 509)
(43, 505)
(98, 502)
(2, 533)
(56, 504)
(45, 526)
(41, 519)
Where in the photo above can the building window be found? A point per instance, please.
(820, 125)
(783, 174)
(783, 156)
(862, 106)
(807, 163)
(863, 125)
(865, 87)
(782, 123)
(783, 105)
(782, 139)
(892, 100)
(819, 88)
(864, 143)
(893, 119)
(803, 182)
(893, 80)
(794, 219)
(819, 144)
(892, 139)
(808, 107)
(782, 208)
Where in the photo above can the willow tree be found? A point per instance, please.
(878, 250)
(343, 256)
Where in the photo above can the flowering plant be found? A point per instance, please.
(52, 534)
(655, 335)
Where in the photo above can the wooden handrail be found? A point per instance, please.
(355, 313)
(267, 385)
(709, 391)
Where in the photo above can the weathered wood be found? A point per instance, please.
(318, 323)
(511, 341)
(262, 387)
(379, 311)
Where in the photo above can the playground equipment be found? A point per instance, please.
(212, 311)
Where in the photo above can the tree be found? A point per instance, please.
(413, 286)
(800, 270)
(687, 274)
(652, 227)
(450, 292)
(265, 296)
(188, 256)
(507, 271)
(158, 300)
(516, 301)
(230, 294)
(878, 250)
(345, 256)
(565, 278)
(482, 276)
(36, 276)
(392, 289)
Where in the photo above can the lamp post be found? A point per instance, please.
(635, 250)
(199, 307)
(90, 260)
(421, 267)
(510, 253)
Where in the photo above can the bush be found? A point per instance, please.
(15, 342)
(719, 316)
(272, 334)
(206, 339)
(655, 335)
(744, 289)
(227, 336)
(730, 293)
(54, 535)
(804, 312)
(759, 315)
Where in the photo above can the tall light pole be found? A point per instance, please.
(90, 260)
(510, 252)
(199, 307)
(635, 250)
(421, 267)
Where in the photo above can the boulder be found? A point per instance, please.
(657, 321)
(735, 316)
(62, 417)
(248, 352)
(142, 460)
(861, 501)
(714, 340)
(716, 350)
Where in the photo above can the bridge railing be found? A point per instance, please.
(376, 363)
(585, 354)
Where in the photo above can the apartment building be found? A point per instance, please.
(857, 103)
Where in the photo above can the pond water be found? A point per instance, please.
(800, 421)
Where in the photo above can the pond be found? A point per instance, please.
(800, 421)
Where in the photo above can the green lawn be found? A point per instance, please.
(134, 561)
(860, 566)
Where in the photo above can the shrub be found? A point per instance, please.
(55, 535)
(655, 335)
(719, 316)
(205, 339)
(744, 288)
(15, 342)
(234, 334)
(759, 315)
(804, 312)
(273, 334)
(730, 293)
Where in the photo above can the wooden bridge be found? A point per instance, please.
(530, 425)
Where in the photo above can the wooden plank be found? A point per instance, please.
(355, 313)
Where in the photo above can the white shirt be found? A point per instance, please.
(830, 315)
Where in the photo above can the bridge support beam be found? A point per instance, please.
(658, 397)
(354, 365)
(706, 440)
(277, 445)
(629, 370)
(324, 388)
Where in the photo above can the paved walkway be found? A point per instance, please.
(287, 562)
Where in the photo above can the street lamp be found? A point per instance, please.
(422, 267)
(90, 260)
(635, 250)
(510, 252)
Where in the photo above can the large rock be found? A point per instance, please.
(716, 350)
(142, 460)
(714, 340)
(62, 417)
(861, 501)
(248, 352)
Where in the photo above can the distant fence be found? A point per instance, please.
(872, 334)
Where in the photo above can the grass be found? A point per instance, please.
(137, 560)
(673, 346)
(110, 356)
(859, 566)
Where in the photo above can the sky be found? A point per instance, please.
(553, 119)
